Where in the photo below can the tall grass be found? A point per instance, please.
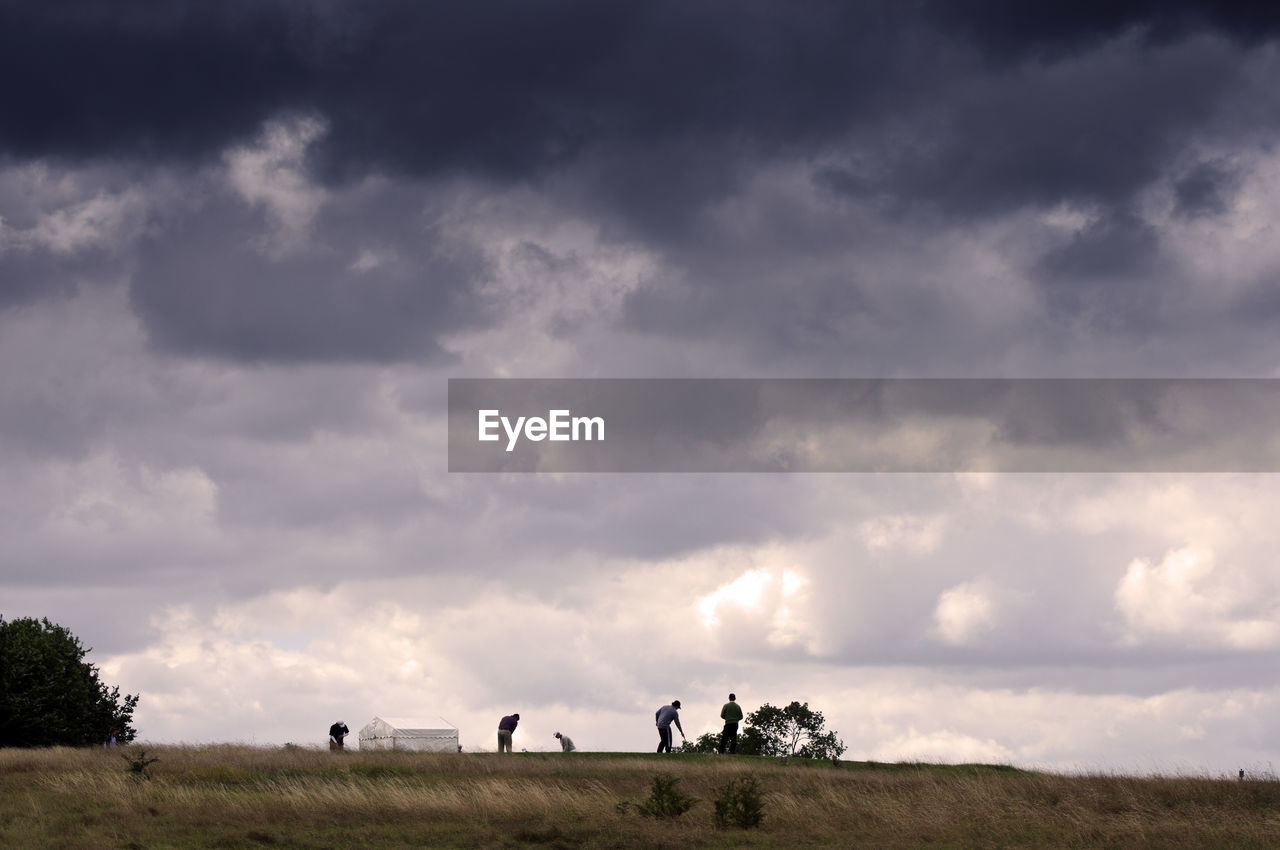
(233, 796)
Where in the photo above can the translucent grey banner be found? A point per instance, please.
(864, 425)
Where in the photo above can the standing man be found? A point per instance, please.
(507, 726)
(337, 732)
(664, 716)
(566, 743)
(731, 714)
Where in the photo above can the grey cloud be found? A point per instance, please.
(1094, 127)
(1102, 674)
(71, 378)
(40, 422)
(1117, 246)
(316, 486)
(26, 275)
(840, 277)
(310, 303)
(614, 517)
(80, 608)
(1206, 189)
(1111, 274)
(64, 230)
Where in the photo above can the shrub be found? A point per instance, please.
(665, 800)
(138, 764)
(739, 804)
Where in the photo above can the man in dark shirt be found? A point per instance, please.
(337, 732)
(731, 714)
(506, 726)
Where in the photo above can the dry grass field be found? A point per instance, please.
(232, 796)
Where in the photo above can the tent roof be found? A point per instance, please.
(417, 724)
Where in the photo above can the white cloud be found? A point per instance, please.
(1185, 598)
(917, 534)
(771, 601)
(964, 612)
(283, 665)
(746, 592)
(911, 715)
(369, 259)
(272, 173)
(943, 745)
(99, 221)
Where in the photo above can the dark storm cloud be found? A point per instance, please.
(649, 116)
(1093, 128)
(1009, 29)
(426, 87)
(511, 88)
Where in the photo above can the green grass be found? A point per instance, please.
(230, 796)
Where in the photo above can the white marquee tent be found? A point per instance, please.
(419, 734)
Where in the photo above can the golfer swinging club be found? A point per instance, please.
(664, 716)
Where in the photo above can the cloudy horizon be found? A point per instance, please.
(245, 246)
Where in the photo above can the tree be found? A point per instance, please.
(796, 730)
(51, 696)
(707, 742)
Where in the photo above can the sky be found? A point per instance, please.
(245, 245)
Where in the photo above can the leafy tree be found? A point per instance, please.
(751, 742)
(707, 742)
(795, 730)
(51, 696)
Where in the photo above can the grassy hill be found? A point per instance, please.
(230, 796)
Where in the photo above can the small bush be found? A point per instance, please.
(739, 804)
(665, 800)
(138, 764)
